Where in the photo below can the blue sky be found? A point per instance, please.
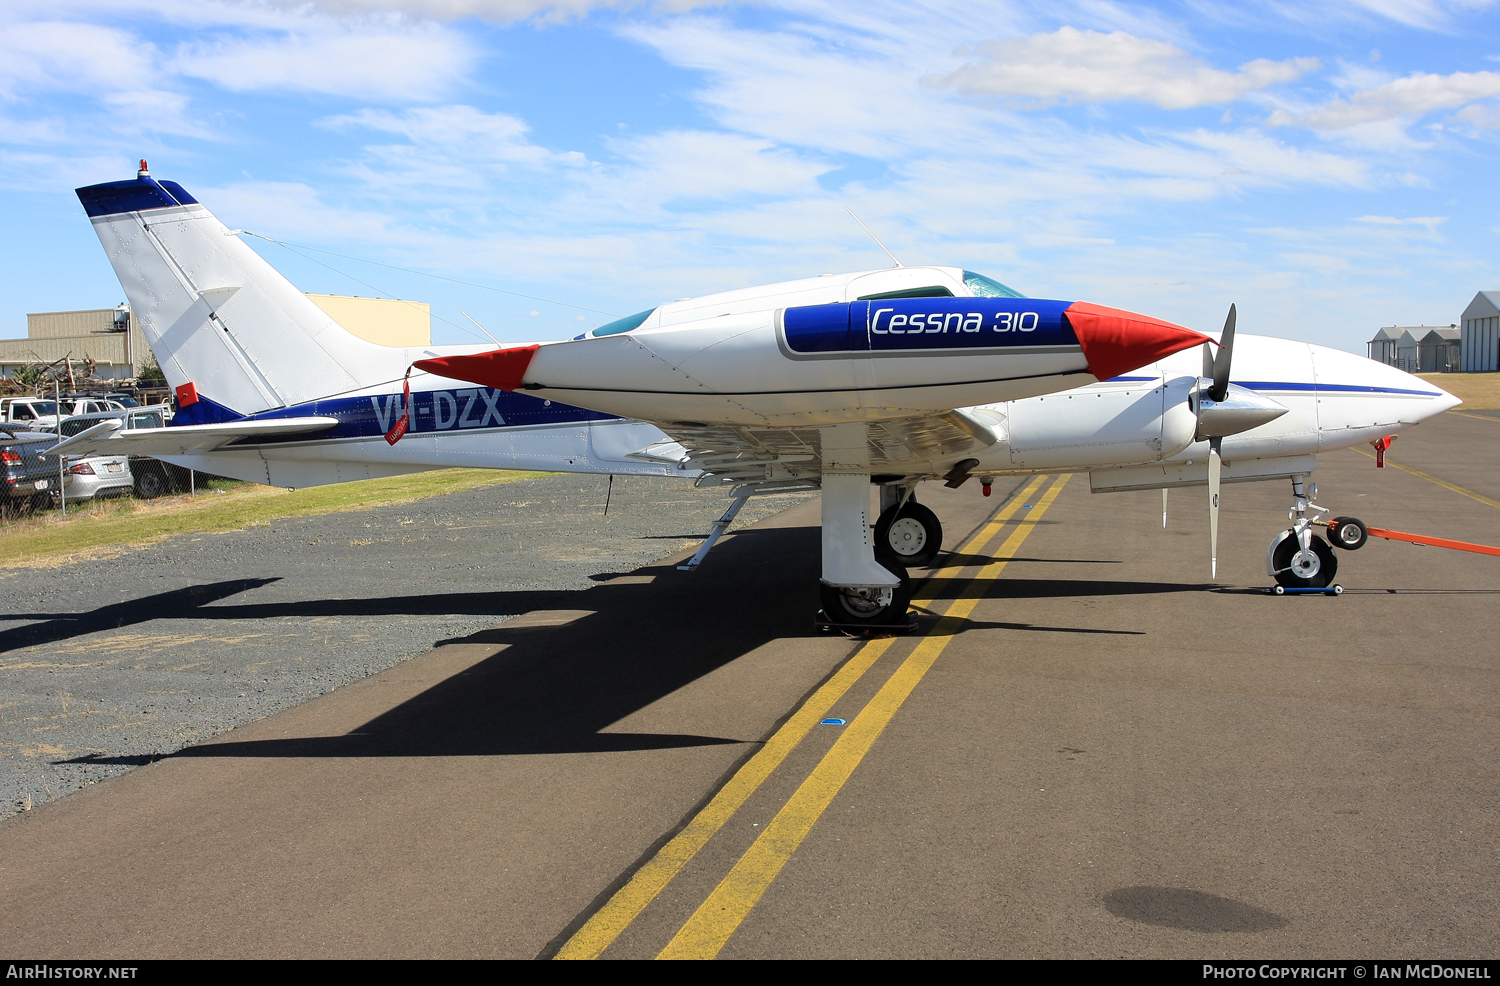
(1330, 168)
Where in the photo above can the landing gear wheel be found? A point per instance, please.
(1297, 569)
(864, 608)
(1347, 532)
(150, 484)
(914, 536)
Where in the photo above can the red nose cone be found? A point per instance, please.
(500, 368)
(1116, 342)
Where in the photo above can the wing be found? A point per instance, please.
(784, 459)
(108, 438)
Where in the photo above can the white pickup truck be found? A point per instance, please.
(29, 413)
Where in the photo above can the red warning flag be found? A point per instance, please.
(399, 428)
(1381, 444)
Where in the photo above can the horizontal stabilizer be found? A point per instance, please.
(108, 438)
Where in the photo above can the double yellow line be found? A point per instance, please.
(1477, 497)
(709, 929)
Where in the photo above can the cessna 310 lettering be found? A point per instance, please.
(830, 383)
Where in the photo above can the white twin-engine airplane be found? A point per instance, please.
(831, 383)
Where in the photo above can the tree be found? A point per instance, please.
(150, 375)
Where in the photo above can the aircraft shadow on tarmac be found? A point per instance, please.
(949, 626)
(192, 603)
(556, 689)
(1011, 588)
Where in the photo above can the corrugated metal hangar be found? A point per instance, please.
(1474, 348)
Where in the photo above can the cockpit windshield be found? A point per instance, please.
(988, 287)
(623, 324)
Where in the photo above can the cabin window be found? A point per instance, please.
(932, 291)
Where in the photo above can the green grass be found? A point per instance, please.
(110, 526)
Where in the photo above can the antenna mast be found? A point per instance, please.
(873, 237)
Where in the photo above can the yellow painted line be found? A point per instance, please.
(611, 920)
(1441, 482)
(711, 926)
(1476, 417)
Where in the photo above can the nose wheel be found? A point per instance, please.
(1298, 559)
(1295, 567)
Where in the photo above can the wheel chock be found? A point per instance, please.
(1281, 590)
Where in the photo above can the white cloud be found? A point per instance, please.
(1477, 115)
(455, 130)
(1431, 14)
(397, 62)
(1427, 221)
(289, 210)
(71, 56)
(698, 164)
(1403, 99)
(501, 11)
(1070, 65)
(447, 149)
(855, 93)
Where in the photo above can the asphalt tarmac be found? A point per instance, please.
(1087, 749)
(116, 662)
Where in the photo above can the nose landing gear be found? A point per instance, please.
(1297, 558)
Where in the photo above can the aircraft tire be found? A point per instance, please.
(847, 607)
(1315, 572)
(1348, 533)
(914, 536)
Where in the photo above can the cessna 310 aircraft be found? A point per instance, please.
(831, 383)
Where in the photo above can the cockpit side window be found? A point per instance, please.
(988, 287)
(623, 324)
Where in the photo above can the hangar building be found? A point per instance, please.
(1417, 348)
(1481, 333)
(112, 339)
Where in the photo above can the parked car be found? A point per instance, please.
(100, 475)
(97, 476)
(91, 405)
(29, 413)
(27, 480)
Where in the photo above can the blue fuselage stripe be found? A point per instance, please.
(432, 412)
(1266, 386)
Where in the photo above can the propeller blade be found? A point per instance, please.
(1214, 464)
(1221, 361)
(1164, 508)
(1208, 361)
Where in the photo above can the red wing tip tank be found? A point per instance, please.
(826, 364)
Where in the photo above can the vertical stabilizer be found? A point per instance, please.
(218, 316)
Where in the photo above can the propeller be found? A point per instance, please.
(1216, 371)
(1223, 409)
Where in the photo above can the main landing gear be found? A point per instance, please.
(907, 530)
(869, 607)
(1299, 559)
(864, 584)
